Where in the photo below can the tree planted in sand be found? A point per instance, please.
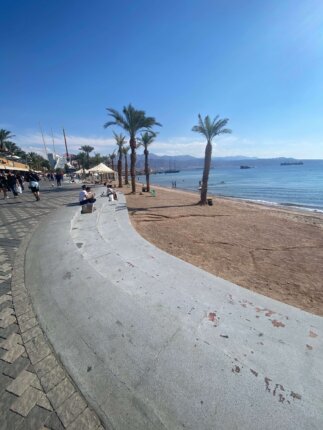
(132, 121)
(120, 140)
(209, 129)
(125, 151)
(147, 139)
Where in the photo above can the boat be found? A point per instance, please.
(171, 171)
(245, 167)
(292, 163)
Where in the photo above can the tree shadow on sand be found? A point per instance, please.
(139, 209)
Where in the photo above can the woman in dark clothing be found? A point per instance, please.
(12, 183)
(4, 185)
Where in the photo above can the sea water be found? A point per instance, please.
(266, 181)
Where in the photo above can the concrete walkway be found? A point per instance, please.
(31, 377)
(156, 343)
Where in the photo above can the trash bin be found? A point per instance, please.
(210, 201)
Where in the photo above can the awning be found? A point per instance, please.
(20, 169)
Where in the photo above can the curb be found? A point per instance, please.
(59, 391)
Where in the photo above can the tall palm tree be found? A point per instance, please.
(147, 139)
(5, 137)
(120, 141)
(125, 151)
(132, 121)
(209, 129)
(112, 157)
(87, 149)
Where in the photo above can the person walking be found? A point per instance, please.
(20, 179)
(12, 183)
(33, 180)
(4, 185)
(59, 177)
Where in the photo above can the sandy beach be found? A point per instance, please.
(271, 250)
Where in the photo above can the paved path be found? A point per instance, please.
(156, 343)
(29, 371)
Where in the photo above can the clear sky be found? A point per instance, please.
(257, 62)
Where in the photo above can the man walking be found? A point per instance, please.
(12, 183)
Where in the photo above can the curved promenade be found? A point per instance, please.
(156, 343)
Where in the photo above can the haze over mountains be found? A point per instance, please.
(187, 162)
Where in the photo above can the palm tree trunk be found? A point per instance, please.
(120, 170)
(133, 164)
(147, 169)
(126, 181)
(88, 160)
(206, 171)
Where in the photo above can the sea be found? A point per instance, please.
(266, 181)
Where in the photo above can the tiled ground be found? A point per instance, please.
(35, 391)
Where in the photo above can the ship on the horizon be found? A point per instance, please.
(171, 171)
(292, 163)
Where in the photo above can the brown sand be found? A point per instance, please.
(273, 251)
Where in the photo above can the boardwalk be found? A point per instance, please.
(28, 379)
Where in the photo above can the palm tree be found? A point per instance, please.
(36, 161)
(81, 159)
(5, 137)
(125, 151)
(120, 140)
(132, 121)
(112, 157)
(87, 149)
(97, 159)
(147, 139)
(209, 129)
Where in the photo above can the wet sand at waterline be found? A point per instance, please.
(273, 251)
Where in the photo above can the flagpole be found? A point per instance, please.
(67, 155)
(53, 142)
(42, 134)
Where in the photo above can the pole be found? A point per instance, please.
(42, 134)
(67, 155)
(53, 142)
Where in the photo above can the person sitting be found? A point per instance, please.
(82, 195)
(86, 196)
(90, 195)
(110, 193)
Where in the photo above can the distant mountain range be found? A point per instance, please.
(187, 162)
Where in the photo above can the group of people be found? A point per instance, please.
(14, 182)
(87, 196)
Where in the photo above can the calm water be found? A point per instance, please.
(267, 181)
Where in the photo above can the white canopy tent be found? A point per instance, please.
(104, 172)
(81, 171)
(102, 168)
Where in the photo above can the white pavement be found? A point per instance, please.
(156, 343)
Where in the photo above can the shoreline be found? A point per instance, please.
(273, 250)
(263, 203)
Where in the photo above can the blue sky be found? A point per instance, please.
(258, 63)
